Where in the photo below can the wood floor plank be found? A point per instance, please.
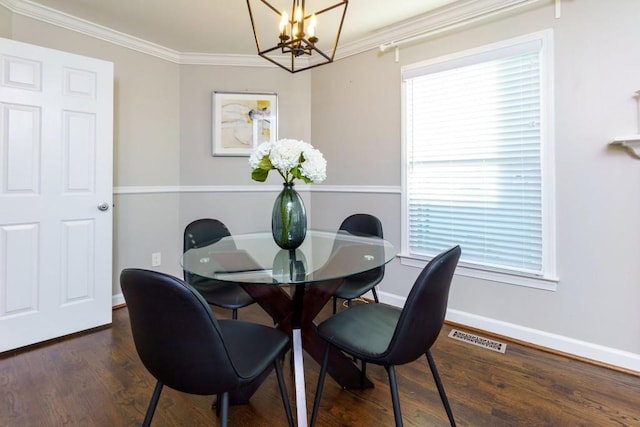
(97, 379)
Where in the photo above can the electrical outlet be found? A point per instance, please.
(156, 259)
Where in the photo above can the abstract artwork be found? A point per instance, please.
(242, 121)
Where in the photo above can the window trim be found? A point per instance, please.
(548, 280)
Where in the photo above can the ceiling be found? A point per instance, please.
(223, 26)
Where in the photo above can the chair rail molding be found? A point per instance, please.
(183, 189)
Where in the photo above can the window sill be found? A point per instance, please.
(544, 283)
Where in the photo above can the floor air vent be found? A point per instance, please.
(478, 340)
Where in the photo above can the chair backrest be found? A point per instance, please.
(176, 336)
(361, 224)
(423, 314)
(203, 232)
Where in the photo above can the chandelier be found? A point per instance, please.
(298, 38)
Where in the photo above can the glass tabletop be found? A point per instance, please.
(255, 258)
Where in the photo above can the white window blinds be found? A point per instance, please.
(473, 144)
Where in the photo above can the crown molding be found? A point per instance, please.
(446, 18)
(433, 23)
(195, 58)
(69, 22)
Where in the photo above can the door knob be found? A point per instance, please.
(104, 206)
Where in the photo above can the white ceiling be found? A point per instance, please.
(223, 26)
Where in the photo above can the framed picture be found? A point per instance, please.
(243, 120)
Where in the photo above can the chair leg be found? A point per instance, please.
(234, 314)
(321, 376)
(393, 385)
(443, 395)
(224, 410)
(216, 404)
(363, 373)
(335, 304)
(152, 404)
(283, 392)
(375, 295)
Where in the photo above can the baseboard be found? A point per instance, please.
(391, 299)
(556, 343)
(117, 300)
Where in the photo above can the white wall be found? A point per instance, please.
(595, 311)
(350, 110)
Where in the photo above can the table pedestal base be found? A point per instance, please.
(294, 315)
(301, 395)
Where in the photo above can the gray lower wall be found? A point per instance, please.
(145, 224)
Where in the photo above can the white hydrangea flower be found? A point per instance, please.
(314, 166)
(285, 154)
(291, 158)
(257, 154)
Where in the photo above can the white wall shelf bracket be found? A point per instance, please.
(631, 142)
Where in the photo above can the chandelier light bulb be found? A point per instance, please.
(312, 26)
(299, 13)
(284, 23)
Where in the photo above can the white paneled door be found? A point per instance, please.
(56, 162)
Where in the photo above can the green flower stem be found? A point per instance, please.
(286, 219)
(286, 177)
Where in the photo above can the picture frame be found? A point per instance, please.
(243, 120)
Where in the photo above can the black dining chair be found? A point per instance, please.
(357, 285)
(389, 336)
(184, 347)
(203, 232)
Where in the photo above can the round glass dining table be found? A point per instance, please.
(314, 270)
(255, 258)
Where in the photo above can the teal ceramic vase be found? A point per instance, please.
(289, 218)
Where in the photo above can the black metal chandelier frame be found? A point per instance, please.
(299, 44)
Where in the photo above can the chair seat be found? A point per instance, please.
(358, 285)
(226, 295)
(252, 347)
(364, 331)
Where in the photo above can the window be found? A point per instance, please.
(479, 169)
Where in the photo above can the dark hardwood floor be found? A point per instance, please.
(96, 379)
